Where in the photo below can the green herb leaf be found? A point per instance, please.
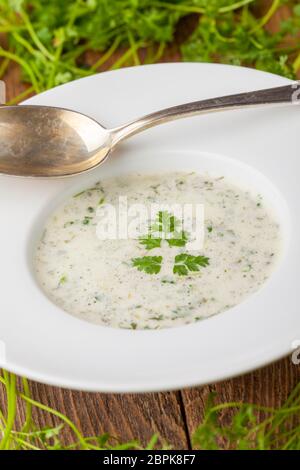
(165, 224)
(185, 263)
(149, 242)
(148, 264)
(178, 239)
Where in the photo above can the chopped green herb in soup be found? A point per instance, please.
(154, 282)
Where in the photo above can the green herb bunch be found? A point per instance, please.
(248, 427)
(49, 40)
(239, 37)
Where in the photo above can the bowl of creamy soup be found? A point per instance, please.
(151, 282)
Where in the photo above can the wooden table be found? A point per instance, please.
(173, 415)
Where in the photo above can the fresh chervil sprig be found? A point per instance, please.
(185, 263)
(148, 264)
(165, 225)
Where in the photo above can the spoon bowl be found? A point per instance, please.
(48, 141)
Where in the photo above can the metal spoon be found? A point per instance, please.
(51, 142)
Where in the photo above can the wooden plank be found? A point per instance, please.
(127, 417)
(269, 386)
(14, 85)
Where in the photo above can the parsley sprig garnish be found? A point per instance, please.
(167, 227)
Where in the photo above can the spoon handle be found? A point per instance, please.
(271, 96)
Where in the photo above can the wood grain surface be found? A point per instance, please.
(173, 415)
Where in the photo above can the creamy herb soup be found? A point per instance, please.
(151, 283)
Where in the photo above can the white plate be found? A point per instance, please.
(46, 344)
